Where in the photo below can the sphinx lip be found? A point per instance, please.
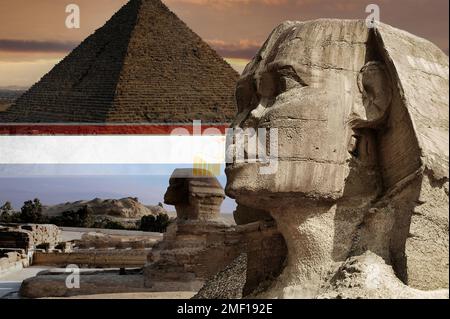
(234, 166)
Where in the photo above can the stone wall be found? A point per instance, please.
(117, 258)
(29, 236)
(102, 241)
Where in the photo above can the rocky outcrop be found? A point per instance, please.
(368, 277)
(362, 166)
(122, 208)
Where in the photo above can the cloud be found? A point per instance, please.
(242, 49)
(24, 74)
(226, 3)
(15, 45)
(220, 4)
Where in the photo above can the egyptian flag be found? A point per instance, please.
(68, 162)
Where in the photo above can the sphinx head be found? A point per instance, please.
(362, 122)
(316, 84)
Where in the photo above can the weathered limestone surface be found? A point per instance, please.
(98, 258)
(200, 243)
(143, 66)
(195, 245)
(228, 283)
(245, 215)
(29, 236)
(195, 198)
(12, 259)
(362, 119)
(367, 276)
(53, 284)
(100, 240)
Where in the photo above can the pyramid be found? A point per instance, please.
(143, 66)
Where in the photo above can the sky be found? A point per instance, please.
(33, 35)
(33, 38)
(56, 188)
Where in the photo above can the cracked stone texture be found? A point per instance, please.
(143, 66)
(362, 119)
(228, 283)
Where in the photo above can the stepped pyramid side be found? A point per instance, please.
(171, 75)
(143, 66)
(81, 87)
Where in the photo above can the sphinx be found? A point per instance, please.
(361, 190)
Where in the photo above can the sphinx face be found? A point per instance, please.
(306, 88)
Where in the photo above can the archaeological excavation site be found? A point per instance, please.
(351, 201)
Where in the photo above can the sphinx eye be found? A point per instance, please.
(287, 83)
(288, 79)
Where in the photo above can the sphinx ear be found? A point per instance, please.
(375, 86)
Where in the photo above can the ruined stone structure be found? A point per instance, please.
(143, 66)
(200, 243)
(104, 241)
(361, 190)
(19, 242)
(12, 260)
(29, 236)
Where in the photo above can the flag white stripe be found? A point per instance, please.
(112, 149)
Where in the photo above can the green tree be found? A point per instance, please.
(80, 218)
(7, 207)
(158, 224)
(7, 214)
(31, 212)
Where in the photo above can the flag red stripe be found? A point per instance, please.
(147, 129)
